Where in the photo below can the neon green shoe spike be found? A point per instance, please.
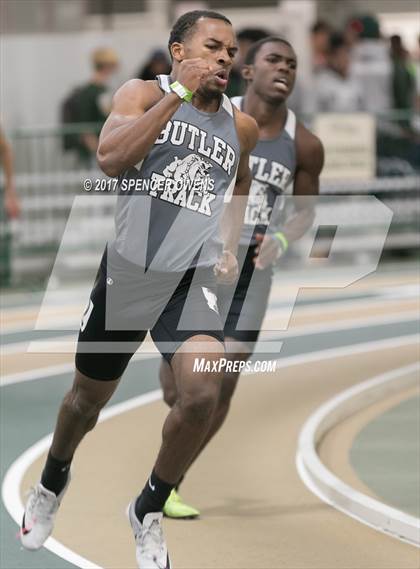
(175, 508)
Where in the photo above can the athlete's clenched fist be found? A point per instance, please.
(191, 72)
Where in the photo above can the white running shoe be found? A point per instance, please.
(39, 515)
(151, 550)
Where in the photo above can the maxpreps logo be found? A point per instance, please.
(186, 183)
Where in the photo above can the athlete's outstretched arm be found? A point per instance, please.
(139, 113)
(234, 212)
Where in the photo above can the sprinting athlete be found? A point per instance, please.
(286, 156)
(179, 149)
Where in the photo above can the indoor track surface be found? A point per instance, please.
(256, 511)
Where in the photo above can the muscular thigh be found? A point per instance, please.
(103, 354)
(190, 381)
(191, 313)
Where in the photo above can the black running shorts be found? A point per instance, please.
(126, 302)
(252, 311)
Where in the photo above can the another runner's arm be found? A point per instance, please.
(233, 217)
(139, 113)
(310, 161)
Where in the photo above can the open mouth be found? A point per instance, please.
(282, 83)
(222, 77)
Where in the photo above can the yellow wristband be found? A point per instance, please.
(280, 236)
(182, 92)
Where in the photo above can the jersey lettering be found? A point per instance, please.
(178, 133)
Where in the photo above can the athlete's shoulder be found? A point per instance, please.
(247, 129)
(309, 150)
(307, 141)
(138, 93)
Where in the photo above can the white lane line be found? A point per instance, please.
(13, 479)
(328, 487)
(23, 347)
(67, 344)
(51, 371)
(406, 291)
(363, 347)
(15, 473)
(60, 369)
(381, 299)
(65, 324)
(344, 324)
(34, 374)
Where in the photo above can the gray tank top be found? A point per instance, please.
(272, 164)
(169, 206)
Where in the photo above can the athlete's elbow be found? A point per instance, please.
(109, 163)
(110, 171)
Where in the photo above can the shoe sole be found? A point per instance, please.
(192, 517)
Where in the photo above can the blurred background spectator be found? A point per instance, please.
(417, 71)
(90, 103)
(320, 41)
(10, 208)
(246, 37)
(157, 64)
(336, 90)
(403, 79)
(371, 63)
(11, 203)
(346, 62)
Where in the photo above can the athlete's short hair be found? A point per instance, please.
(336, 42)
(252, 34)
(321, 26)
(185, 24)
(255, 48)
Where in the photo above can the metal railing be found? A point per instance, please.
(48, 179)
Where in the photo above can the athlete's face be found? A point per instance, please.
(214, 41)
(273, 73)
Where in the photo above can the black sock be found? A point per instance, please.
(153, 497)
(55, 474)
(180, 481)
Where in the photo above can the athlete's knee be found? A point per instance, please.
(230, 377)
(169, 396)
(199, 405)
(78, 404)
(167, 382)
(229, 383)
(85, 400)
(198, 408)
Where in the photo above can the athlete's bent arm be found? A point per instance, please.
(234, 212)
(139, 113)
(310, 161)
